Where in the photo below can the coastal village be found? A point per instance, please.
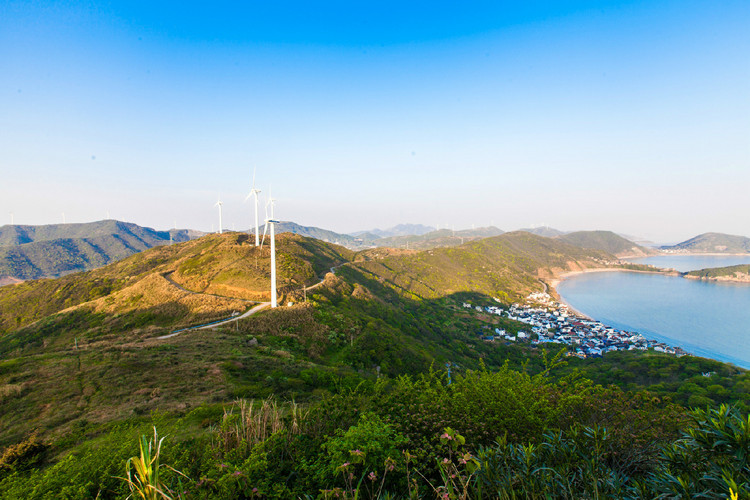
(552, 322)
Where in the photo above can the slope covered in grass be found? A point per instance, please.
(606, 241)
(228, 265)
(507, 266)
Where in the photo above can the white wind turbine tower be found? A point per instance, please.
(219, 204)
(255, 192)
(271, 221)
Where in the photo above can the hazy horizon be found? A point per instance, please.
(629, 116)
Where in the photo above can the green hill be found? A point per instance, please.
(606, 241)
(507, 266)
(227, 265)
(711, 243)
(32, 252)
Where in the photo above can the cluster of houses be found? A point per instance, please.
(552, 322)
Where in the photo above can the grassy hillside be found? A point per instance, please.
(507, 266)
(606, 241)
(712, 243)
(228, 265)
(396, 310)
(91, 378)
(32, 252)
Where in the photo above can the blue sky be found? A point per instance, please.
(630, 116)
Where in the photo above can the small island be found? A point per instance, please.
(739, 273)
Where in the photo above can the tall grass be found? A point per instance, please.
(247, 423)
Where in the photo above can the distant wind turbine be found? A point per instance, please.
(219, 204)
(270, 221)
(12, 223)
(63, 215)
(255, 192)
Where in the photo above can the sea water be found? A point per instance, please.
(704, 318)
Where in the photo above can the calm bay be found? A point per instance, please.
(704, 318)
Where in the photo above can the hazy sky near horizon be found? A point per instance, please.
(632, 116)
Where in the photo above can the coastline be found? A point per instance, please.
(688, 346)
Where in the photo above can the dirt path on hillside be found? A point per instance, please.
(246, 314)
(168, 276)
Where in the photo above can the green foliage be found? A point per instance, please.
(369, 445)
(688, 380)
(711, 459)
(27, 454)
(567, 465)
(143, 472)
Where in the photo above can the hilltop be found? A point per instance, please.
(32, 252)
(606, 241)
(711, 243)
(222, 267)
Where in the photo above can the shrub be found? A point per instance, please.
(25, 455)
(365, 447)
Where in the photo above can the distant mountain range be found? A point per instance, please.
(399, 230)
(711, 243)
(345, 240)
(549, 232)
(31, 252)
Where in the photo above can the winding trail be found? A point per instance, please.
(253, 310)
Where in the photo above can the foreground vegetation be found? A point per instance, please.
(482, 434)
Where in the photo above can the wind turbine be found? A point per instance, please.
(270, 221)
(12, 219)
(219, 204)
(255, 192)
